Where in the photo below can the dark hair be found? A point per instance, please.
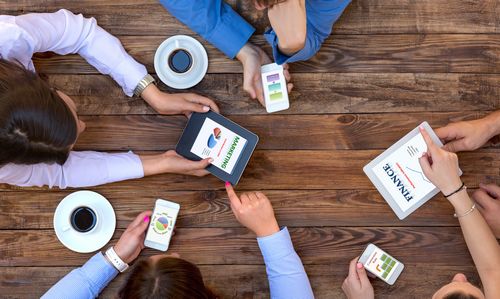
(269, 3)
(459, 295)
(36, 125)
(167, 278)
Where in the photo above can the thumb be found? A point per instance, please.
(455, 146)
(202, 164)
(363, 277)
(196, 107)
(425, 164)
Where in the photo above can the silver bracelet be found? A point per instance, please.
(115, 260)
(148, 79)
(466, 213)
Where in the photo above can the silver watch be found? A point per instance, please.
(148, 79)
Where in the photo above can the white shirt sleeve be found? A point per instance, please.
(82, 169)
(63, 32)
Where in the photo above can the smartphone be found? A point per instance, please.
(275, 90)
(381, 264)
(161, 224)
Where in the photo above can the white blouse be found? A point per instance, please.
(63, 32)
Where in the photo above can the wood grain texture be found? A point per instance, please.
(276, 132)
(248, 281)
(314, 93)
(315, 245)
(147, 17)
(435, 53)
(293, 208)
(314, 170)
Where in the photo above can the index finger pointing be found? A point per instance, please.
(233, 198)
(428, 140)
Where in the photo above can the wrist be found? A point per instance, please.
(493, 124)
(151, 94)
(243, 52)
(268, 230)
(114, 258)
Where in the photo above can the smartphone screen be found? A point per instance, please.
(381, 264)
(161, 225)
(273, 85)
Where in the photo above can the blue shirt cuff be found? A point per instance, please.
(280, 58)
(99, 271)
(231, 34)
(276, 246)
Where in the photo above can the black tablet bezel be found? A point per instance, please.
(191, 131)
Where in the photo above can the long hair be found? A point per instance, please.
(36, 125)
(167, 278)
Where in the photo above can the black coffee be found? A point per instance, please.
(83, 219)
(180, 61)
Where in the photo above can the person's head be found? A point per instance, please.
(263, 4)
(459, 288)
(164, 277)
(37, 123)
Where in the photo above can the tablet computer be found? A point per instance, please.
(212, 135)
(397, 175)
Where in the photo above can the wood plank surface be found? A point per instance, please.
(438, 53)
(276, 132)
(293, 208)
(249, 281)
(314, 93)
(303, 170)
(147, 17)
(315, 245)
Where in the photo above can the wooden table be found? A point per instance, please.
(389, 66)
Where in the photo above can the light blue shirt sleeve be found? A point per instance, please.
(286, 274)
(84, 282)
(215, 21)
(321, 15)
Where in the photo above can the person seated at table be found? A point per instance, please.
(298, 29)
(441, 168)
(168, 276)
(469, 136)
(39, 125)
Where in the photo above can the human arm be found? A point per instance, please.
(469, 135)
(88, 168)
(311, 26)
(487, 198)
(286, 274)
(441, 168)
(357, 285)
(90, 279)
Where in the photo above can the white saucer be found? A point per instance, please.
(93, 240)
(190, 78)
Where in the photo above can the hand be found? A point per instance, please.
(440, 166)
(252, 58)
(488, 203)
(466, 135)
(178, 103)
(132, 240)
(254, 211)
(357, 285)
(171, 162)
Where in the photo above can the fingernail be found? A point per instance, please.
(146, 219)
(359, 265)
(421, 127)
(205, 108)
(210, 160)
(228, 184)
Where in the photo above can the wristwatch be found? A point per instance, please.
(148, 79)
(115, 260)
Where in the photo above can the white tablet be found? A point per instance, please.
(397, 175)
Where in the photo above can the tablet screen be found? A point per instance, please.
(402, 176)
(219, 143)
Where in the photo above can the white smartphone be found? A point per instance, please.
(275, 90)
(161, 224)
(381, 264)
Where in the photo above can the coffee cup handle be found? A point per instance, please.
(177, 43)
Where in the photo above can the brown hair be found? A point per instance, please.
(36, 125)
(459, 295)
(268, 3)
(167, 278)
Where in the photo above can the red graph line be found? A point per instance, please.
(222, 147)
(405, 175)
